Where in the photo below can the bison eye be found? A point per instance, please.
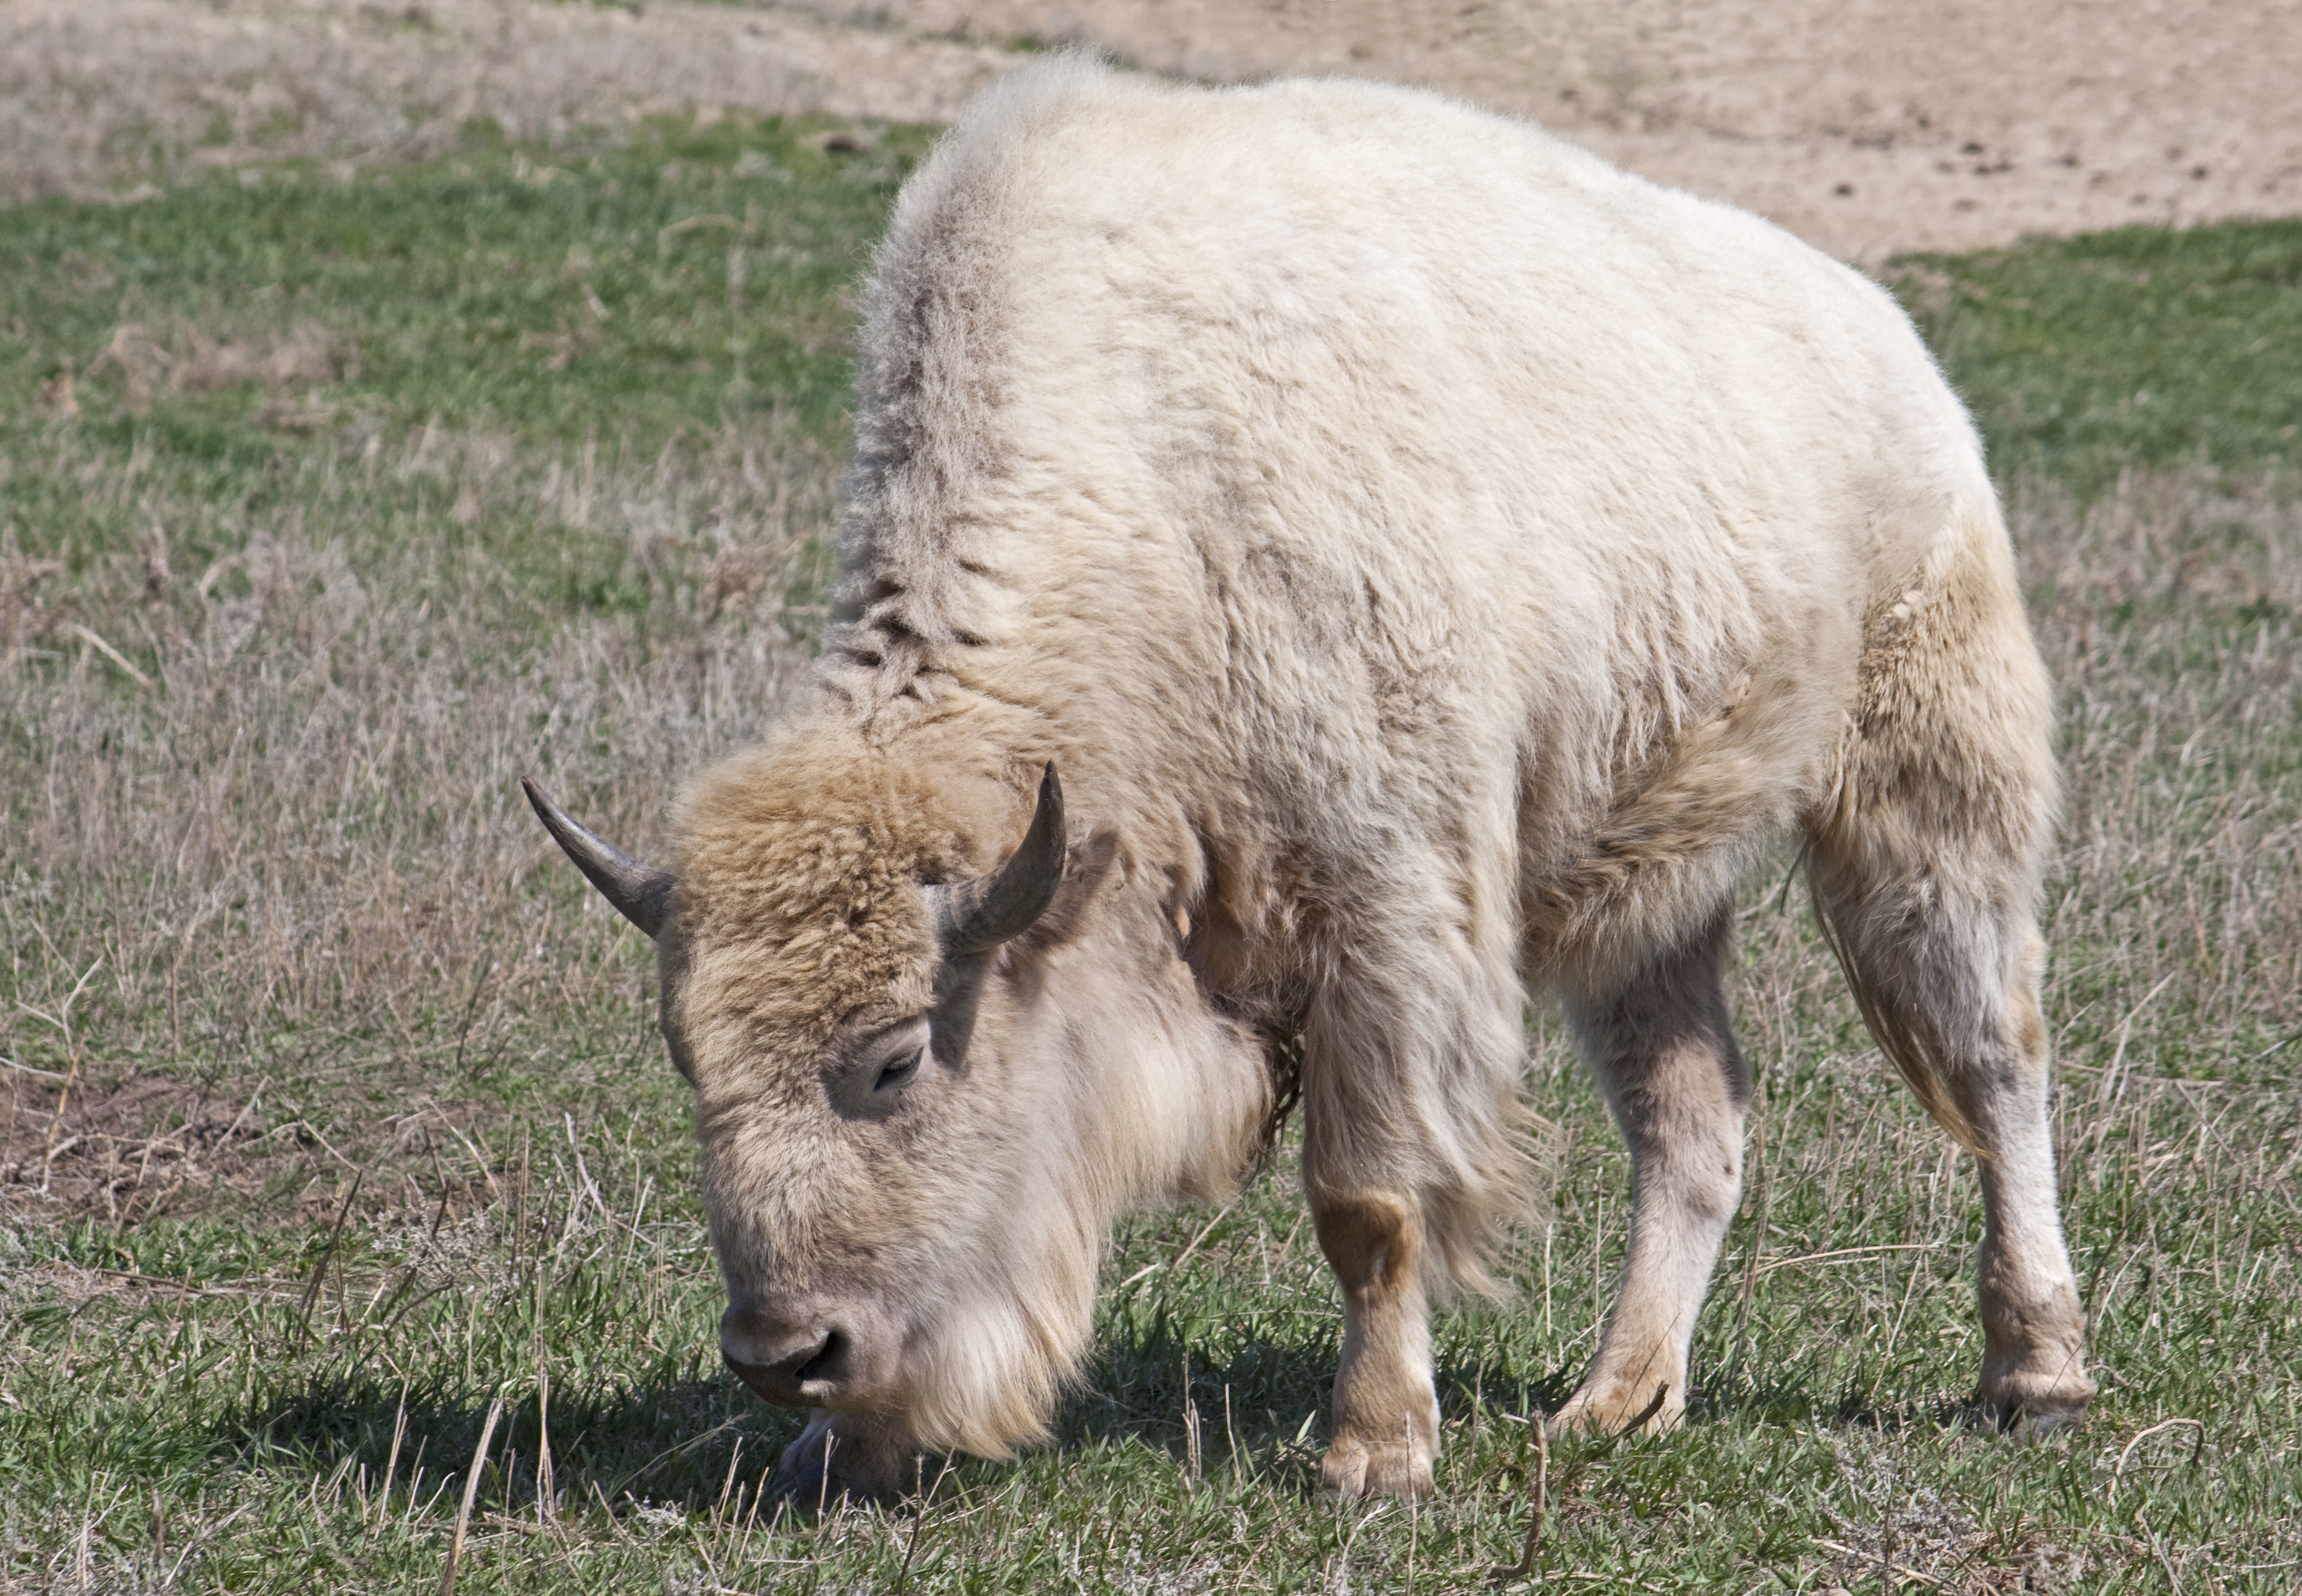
(899, 1073)
(868, 1078)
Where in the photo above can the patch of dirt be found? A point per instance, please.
(133, 1149)
(120, 1147)
(1866, 128)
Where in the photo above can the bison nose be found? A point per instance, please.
(799, 1363)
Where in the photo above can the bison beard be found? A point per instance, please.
(1440, 565)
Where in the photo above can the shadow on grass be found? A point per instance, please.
(1245, 1389)
(1258, 1382)
(676, 1436)
(669, 1439)
(1788, 1400)
(1243, 1385)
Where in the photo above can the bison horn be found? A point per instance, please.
(977, 916)
(641, 893)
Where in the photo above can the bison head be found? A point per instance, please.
(938, 1043)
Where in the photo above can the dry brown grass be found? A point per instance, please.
(180, 357)
(2171, 621)
(295, 825)
(293, 829)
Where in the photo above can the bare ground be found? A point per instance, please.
(1866, 128)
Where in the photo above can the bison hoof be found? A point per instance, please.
(1620, 1409)
(832, 1465)
(2036, 1418)
(1359, 1470)
(2034, 1404)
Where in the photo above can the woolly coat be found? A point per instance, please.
(1437, 562)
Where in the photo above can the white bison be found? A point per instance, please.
(1439, 566)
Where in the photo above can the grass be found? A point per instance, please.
(690, 272)
(687, 282)
(2138, 348)
(336, 1116)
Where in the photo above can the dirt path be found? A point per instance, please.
(1867, 126)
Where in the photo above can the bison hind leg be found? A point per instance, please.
(1925, 870)
(1949, 989)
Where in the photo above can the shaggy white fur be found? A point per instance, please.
(1438, 564)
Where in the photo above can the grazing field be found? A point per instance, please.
(347, 1231)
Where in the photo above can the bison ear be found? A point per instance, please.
(641, 893)
(977, 916)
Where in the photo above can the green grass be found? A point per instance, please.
(373, 1129)
(233, 338)
(563, 294)
(2140, 347)
(1833, 1410)
(232, 335)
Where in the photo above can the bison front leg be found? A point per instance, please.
(843, 1458)
(1386, 1423)
(1677, 1086)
